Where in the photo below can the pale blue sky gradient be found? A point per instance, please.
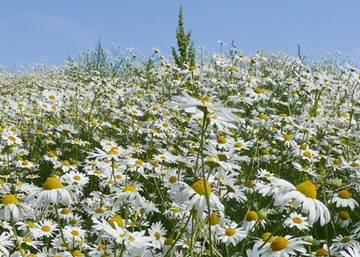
(32, 31)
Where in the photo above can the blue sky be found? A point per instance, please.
(33, 31)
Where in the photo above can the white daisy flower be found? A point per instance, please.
(197, 195)
(5, 243)
(303, 196)
(352, 251)
(11, 208)
(280, 246)
(297, 220)
(74, 233)
(232, 234)
(45, 228)
(343, 218)
(53, 192)
(157, 234)
(343, 199)
(343, 242)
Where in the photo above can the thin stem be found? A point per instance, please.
(15, 234)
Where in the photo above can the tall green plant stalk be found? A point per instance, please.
(184, 57)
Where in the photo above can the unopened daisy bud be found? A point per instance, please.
(169, 241)
(252, 216)
(344, 215)
(267, 237)
(337, 182)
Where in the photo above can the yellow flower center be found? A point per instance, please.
(65, 211)
(129, 188)
(213, 116)
(51, 154)
(297, 220)
(30, 224)
(249, 184)
(230, 231)
(264, 151)
(169, 241)
(99, 211)
(279, 243)
(77, 253)
(131, 238)
(66, 163)
(337, 161)
(10, 199)
(77, 178)
(355, 165)
(52, 183)
(75, 233)
(259, 90)
(307, 154)
(204, 100)
(139, 162)
(233, 68)
(252, 216)
(263, 116)
(157, 235)
(175, 210)
(27, 239)
(214, 219)
(287, 137)
(321, 252)
(307, 188)
(46, 228)
(12, 138)
(344, 215)
(116, 219)
(345, 239)
(238, 145)
(344, 194)
(221, 139)
(202, 187)
(113, 151)
(172, 179)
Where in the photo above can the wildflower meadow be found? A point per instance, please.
(221, 154)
